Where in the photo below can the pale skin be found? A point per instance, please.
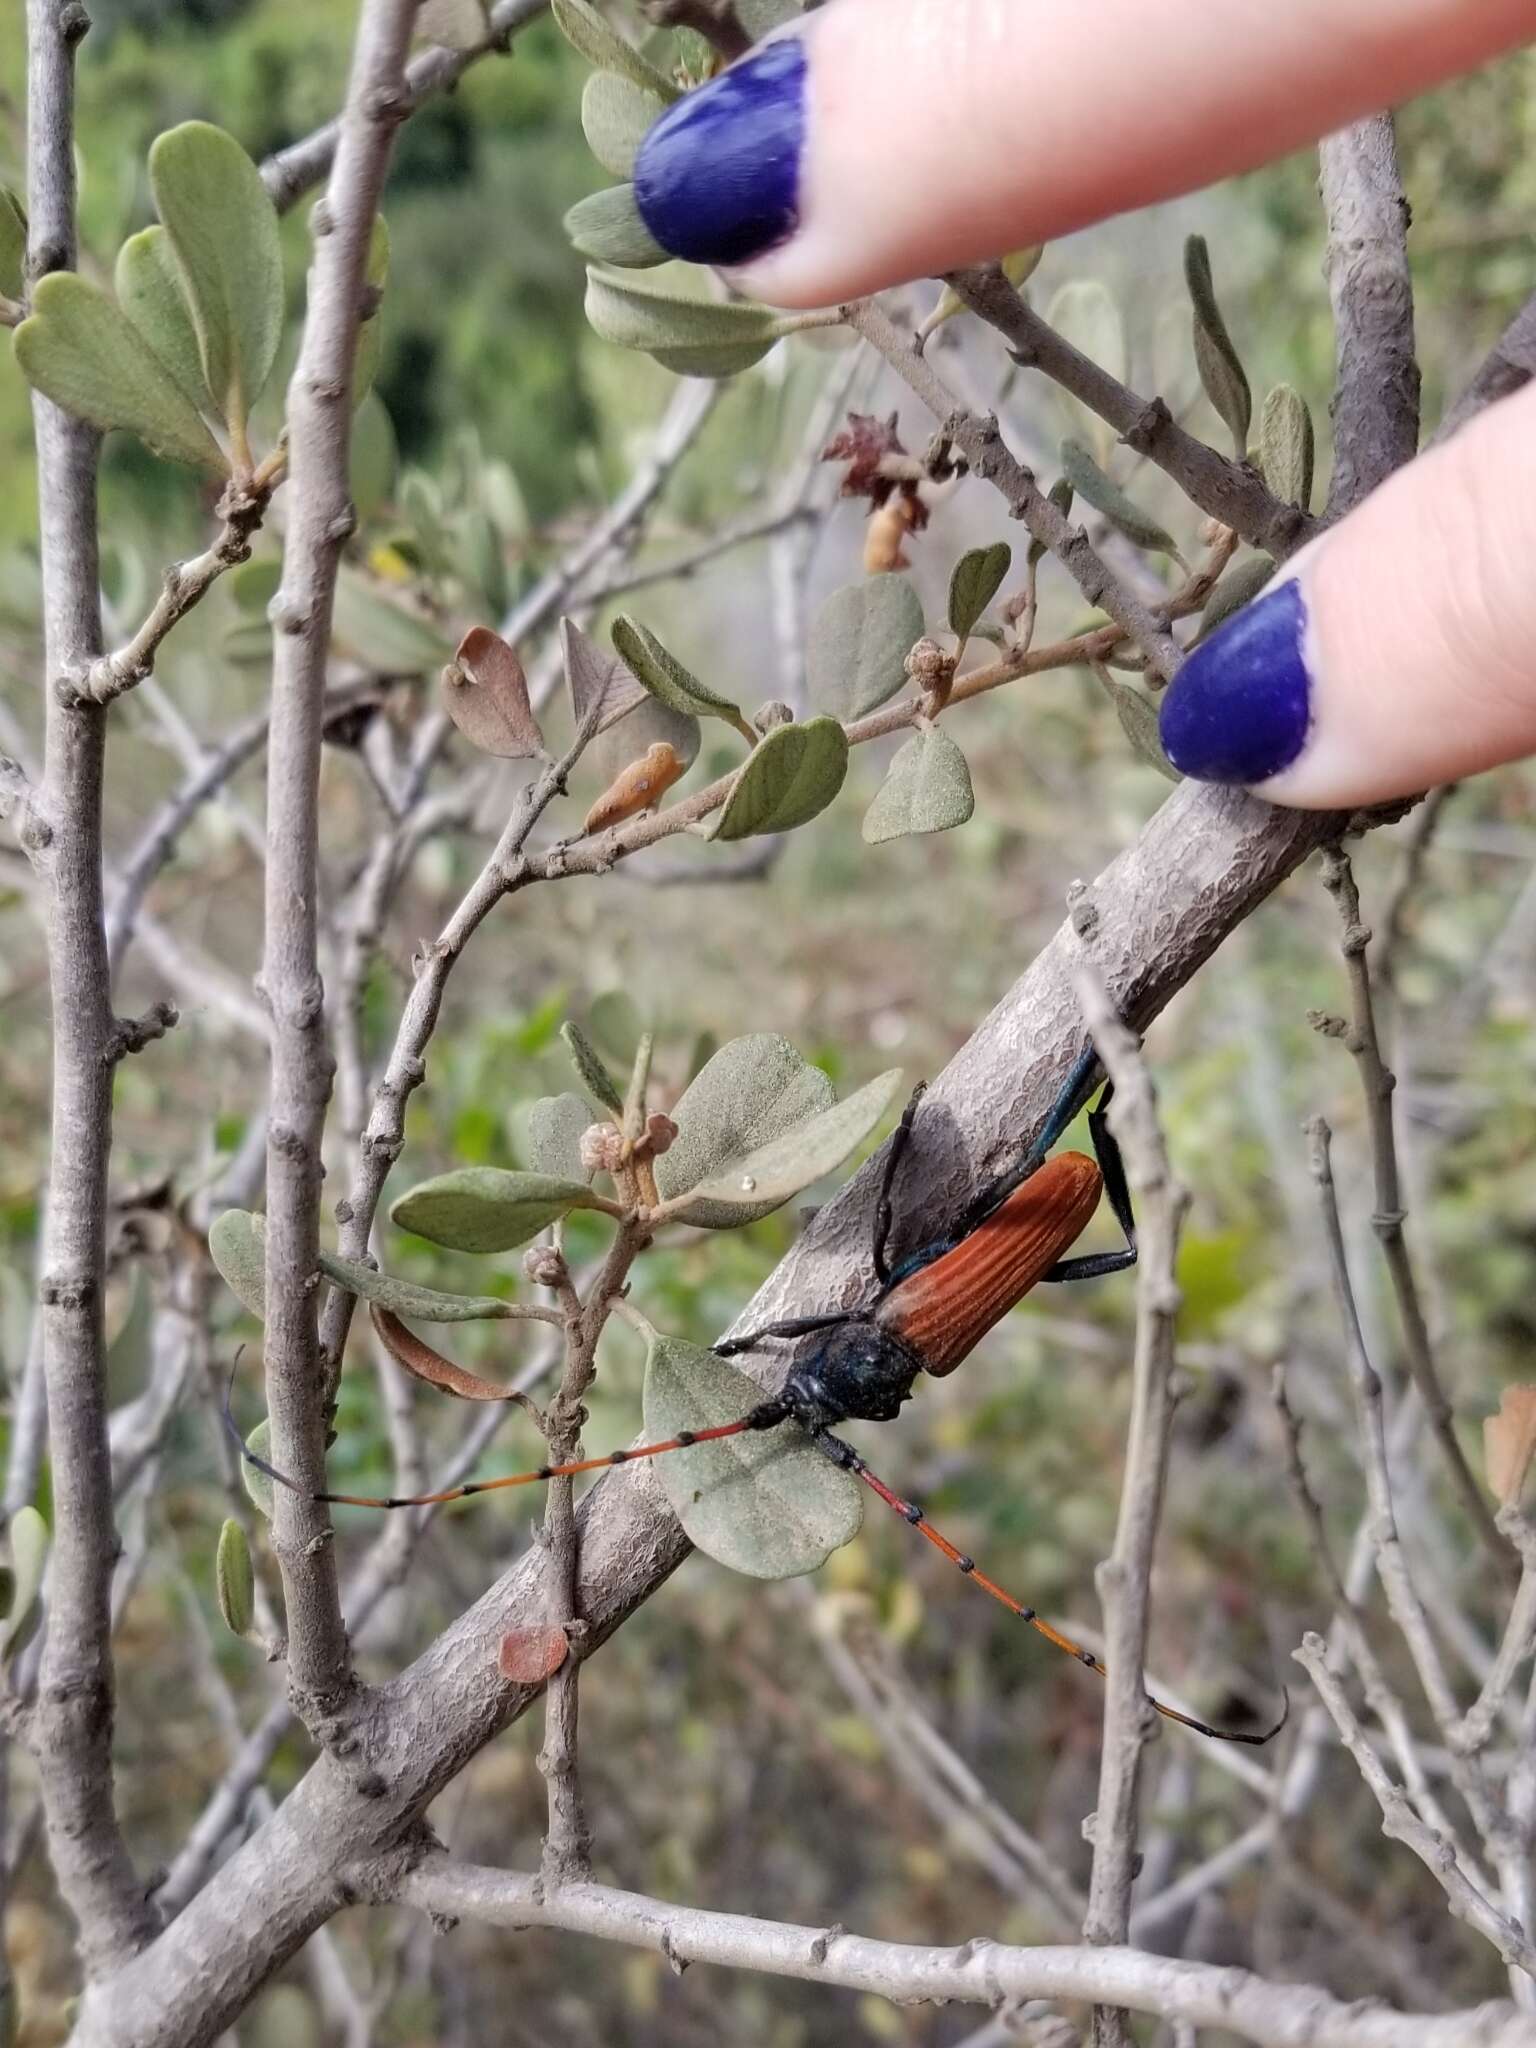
(944, 132)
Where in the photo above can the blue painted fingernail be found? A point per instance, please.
(717, 179)
(1239, 709)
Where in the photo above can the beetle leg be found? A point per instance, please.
(1092, 1265)
(1063, 1109)
(796, 1326)
(893, 1157)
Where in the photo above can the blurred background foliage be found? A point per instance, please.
(725, 1763)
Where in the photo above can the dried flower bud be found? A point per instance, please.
(602, 1148)
(928, 665)
(638, 787)
(544, 1266)
(767, 717)
(887, 531)
(660, 1134)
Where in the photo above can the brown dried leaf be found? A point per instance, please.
(1509, 1443)
(418, 1358)
(638, 787)
(485, 693)
(593, 674)
(530, 1655)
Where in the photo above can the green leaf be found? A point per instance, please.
(1138, 721)
(13, 245)
(859, 642)
(253, 585)
(1018, 267)
(745, 1094)
(927, 789)
(766, 1503)
(1286, 446)
(1090, 483)
(615, 117)
(760, 17)
(1241, 585)
(556, 1124)
(370, 335)
(664, 675)
(407, 1298)
(1085, 313)
(615, 1024)
(149, 290)
(236, 1246)
(787, 779)
(86, 355)
(784, 1166)
(223, 225)
(1221, 368)
(977, 579)
(608, 228)
(257, 1485)
(696, 337)
(235, 1578)
(585, 30)
(384, 636)
(373, 456)
(29, 1561)
(1061, 495)
(587, 1061)
(486, 1208)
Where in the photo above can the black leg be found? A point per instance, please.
(796, 1326)
(893, 1159)
(1093, 1265)
(1063, 1109)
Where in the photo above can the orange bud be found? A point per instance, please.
(639, 787)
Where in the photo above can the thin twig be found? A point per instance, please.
(1234, 493)
(1377, 1084)
(1125, 1578)
(319, 416)
(1399, 1822)
(982, 445)
(978, 1972)
(72, 1724)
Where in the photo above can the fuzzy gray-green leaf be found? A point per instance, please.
(1061, 495)
(585, 30)
(784, 1166)
(859, 642)
(1287, 446)
(1105, 496)
(28, 1538)
(486, 1208)
(927, 789)
(370, 333)
(1241, 585)
(758, 17)
(693, 336)
(235, 1578)
(236, 1246)
(84, 353)
(1221, 368)
(383, 635)
(748, 1092)
(607, 227)
(555, 1127)
(766, 1503)
(223, 226)
(150, 292)
(588, 1062)
(615, 114)
(786, 780)
(978, 577)
(408, 1298)
(1138, 721)
(13, 245)
(257, 1484)
(664, 675)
